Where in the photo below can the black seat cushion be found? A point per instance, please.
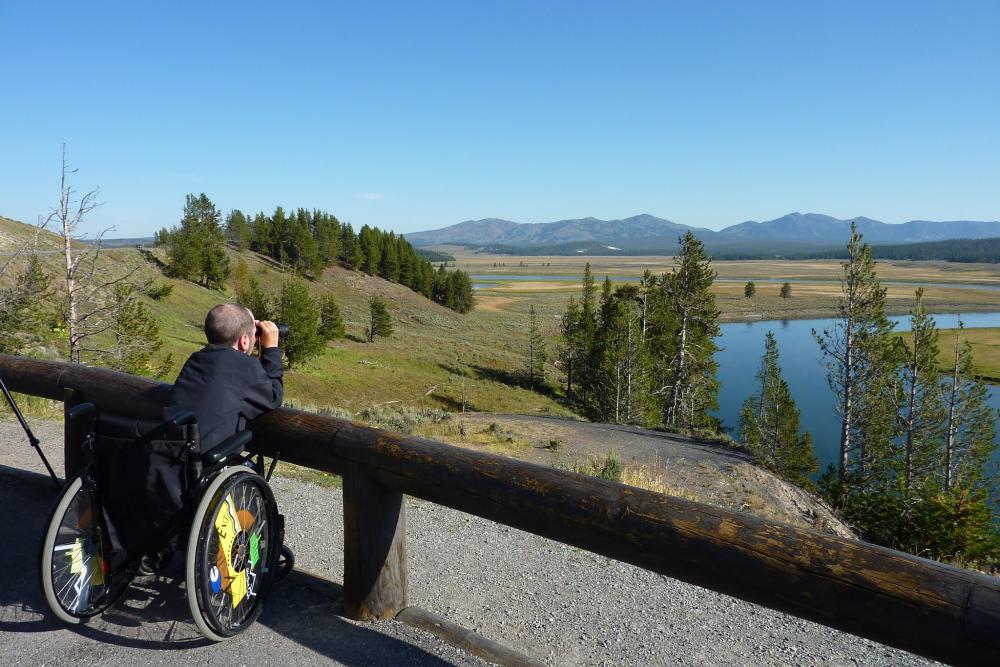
(143, 479)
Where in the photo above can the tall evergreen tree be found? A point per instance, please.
(135, 337)
(922, 410)
(786, 290)
(769, 423)
(461, 290)
(621, 360)
(299, 310)
(328, 238)
(684, 350)
(238, 229)
(749, 290)
(331, 323)
(21, 305)
(389, 266)
(969, 421)
(279, 235)
(536, 354)
(569, 345)
(197, 249)
(861, 359)
(379, 319)
(586, 333)
(254, 298)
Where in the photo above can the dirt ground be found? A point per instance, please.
(701, 471)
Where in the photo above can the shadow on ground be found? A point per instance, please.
(299, 623)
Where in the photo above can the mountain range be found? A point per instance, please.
(649, 232)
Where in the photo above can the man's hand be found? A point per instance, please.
(267, 333)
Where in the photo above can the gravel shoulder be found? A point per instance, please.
(553, 602)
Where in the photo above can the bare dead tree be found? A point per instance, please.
(88, 302)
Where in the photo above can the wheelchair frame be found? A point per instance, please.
(228, 560)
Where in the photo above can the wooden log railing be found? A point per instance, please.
(922, 606)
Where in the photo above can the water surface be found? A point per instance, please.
(800, 359)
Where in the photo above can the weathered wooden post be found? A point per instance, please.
(374, 547)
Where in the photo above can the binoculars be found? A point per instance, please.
(283, 330)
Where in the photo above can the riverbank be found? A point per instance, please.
(985, 351)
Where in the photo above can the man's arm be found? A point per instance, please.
(266, 390)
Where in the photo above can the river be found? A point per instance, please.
(742, 346)
(490, 280)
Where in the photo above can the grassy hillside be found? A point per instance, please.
(436, 358)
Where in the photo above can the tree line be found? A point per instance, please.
(950, 250)
(307, 241)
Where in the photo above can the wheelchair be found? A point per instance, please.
(145, 487)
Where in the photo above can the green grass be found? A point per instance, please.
(985, 350)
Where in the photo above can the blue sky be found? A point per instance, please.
(414, 116)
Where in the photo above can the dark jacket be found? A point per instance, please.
(225, 389)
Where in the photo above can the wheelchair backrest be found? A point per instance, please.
(145, 472)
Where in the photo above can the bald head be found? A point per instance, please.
(226, 322)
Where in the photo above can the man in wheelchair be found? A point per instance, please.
(153, 487)
(221, 384)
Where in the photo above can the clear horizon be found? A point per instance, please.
(412, 118)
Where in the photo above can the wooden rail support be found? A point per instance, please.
(374, 548)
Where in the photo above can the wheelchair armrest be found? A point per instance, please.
(234, 444)
(81, 411)
(182, 418)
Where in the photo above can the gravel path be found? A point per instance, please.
(553, 602)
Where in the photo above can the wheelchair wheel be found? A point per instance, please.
(232, 553)
(75, 556)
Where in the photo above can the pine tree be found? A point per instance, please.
(238, 229)
(586, 332)
(970, 423)
(749, 290)
(684, 350)
(262, 235)
(279, 236)
(786, 290)
(371, 250)
(21, 305)
(462, 301)
(331, 324)
(379, 321)
(922, 409)
(328, 238)
(769, 423)
(861, 359)
(622, 362)
(241, 278)
(952, 519)
(298, 309)
(389, 266)
(135, 337)
(197, 249)
(536, 355)
(569, 332)
(253, 297)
